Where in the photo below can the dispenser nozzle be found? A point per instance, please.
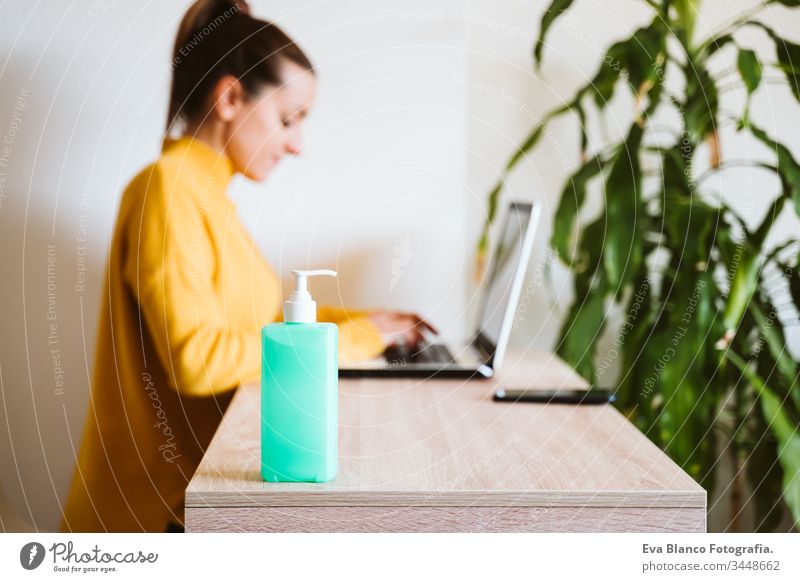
(300, 307)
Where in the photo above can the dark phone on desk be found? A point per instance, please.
(553, 396)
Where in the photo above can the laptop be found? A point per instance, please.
(483, 354)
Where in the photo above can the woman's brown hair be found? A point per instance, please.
(217, 38)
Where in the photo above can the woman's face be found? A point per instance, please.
(267, 127)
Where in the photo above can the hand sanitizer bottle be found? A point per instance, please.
(299, 391)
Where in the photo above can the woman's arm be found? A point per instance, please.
(366, 334)
(169, 268)
(359, 337)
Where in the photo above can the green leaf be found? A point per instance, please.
(586, 319)
(785, 427)
(787, 166)
(528, 145)
(581, 114)
(676, 169)
(483, 243)
(623, 246)
(685, 377)
(774, 210)
(787, 434)
(776, 342)
(762, 465)
(702, 102)
(572, 198)
(788, 54)
(583, 327)
(789, 3)
(687, 16)
(639, 57)
(763, 471)
(645, 55)
(775, 253)
(793, 281)
(746, 268)
(590, 254)
(556, 9)
(691, 225)
(611, 68)
(635, 332)
(712, 45)
(535, 135)
(749, 69)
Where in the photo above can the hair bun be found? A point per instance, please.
(207, 13)
(244, 7)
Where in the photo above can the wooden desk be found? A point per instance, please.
(441, 456)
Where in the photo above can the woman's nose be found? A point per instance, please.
(294, 144)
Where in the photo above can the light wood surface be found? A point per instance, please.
(440, 455)
(445, 519)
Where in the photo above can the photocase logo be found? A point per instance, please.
(31, 555)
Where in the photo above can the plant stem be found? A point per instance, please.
(732, 26)
(737, 163)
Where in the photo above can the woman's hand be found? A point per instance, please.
(399, 328)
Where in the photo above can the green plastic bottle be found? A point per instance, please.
(300, 391)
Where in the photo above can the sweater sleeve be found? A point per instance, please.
(170, 264)
(359, 338)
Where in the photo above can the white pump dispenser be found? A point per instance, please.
(301, 307)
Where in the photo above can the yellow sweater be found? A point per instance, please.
(185, 296)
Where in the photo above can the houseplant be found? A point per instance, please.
(705, 365)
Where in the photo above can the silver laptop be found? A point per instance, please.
(500, 298)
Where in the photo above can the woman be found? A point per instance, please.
(186, 292)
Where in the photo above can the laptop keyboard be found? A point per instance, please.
(425, 354)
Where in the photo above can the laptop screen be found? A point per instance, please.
(502, 287)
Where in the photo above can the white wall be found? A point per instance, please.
(420, 104)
